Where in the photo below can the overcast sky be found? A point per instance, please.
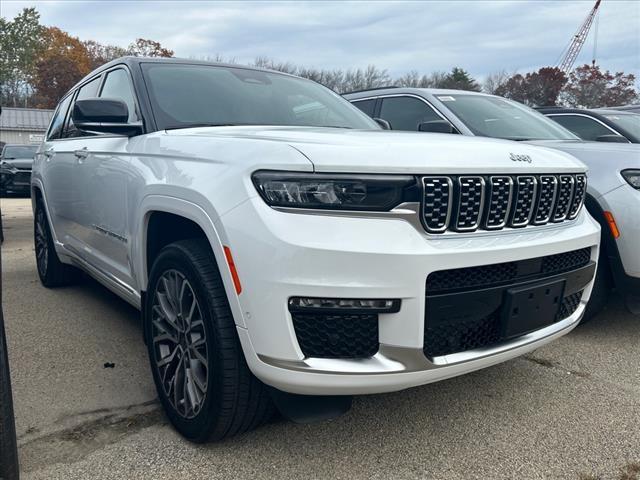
(481, 36)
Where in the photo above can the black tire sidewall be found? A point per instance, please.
(199, 427)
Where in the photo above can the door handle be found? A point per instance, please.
(81, 154)
(49, 153)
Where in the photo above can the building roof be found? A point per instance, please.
(28, 119)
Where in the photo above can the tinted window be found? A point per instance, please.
(58, 119)
(488, 116)
(117, 85)
(19, 151)
(586, 128)
(367, 106)
(628, 121)
(187, 95)
(406, 113)
(89, 90)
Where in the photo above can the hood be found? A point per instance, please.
(604, 160)
(381, 151)
(20, 163)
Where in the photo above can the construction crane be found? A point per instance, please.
(577, 42)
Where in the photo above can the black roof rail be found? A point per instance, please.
(370, 89)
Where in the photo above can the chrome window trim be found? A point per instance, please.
(533, 199)
(449, 206)
(509, 201)
(480, 208)
(553, 201)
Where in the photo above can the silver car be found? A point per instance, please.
(614, 169)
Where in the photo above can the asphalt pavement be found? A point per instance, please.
(86, 405)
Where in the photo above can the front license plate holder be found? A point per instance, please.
(532, 307)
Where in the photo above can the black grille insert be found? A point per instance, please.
(336, 336)
(500, 273)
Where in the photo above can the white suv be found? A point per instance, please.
(281, 246)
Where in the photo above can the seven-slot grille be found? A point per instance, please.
(468, 203)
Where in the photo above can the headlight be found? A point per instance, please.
(333, 191)
(633, 177)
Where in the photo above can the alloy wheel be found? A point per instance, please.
(179, 343)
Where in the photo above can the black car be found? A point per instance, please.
(15, 168)
(598, 125)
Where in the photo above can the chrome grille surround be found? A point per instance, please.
(563, 201)
(469, 203)
(546, 199)
(526, 190)
(498, 206)
(437, 203)
(578, 196)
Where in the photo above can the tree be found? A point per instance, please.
(101, 54)
(459, 79)
(589, 87)
(62, 64)
(148, 48)
(494, 81)
(535, 89)
(20, 44)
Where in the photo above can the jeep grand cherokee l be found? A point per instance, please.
(282, 247)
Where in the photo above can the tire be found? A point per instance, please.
(52, 272)
(224, 399)
(601, 289)
(8, 449)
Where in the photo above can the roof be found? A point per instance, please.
(25, 119)
(586, 111)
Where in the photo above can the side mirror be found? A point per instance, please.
(612, 139)
(383, 123)
(436, 126)
(104, 115)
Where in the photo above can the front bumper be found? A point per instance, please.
(279, 255)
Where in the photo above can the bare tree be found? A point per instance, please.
(494, 81)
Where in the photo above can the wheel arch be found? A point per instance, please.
(193, 216)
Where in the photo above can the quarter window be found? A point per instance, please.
(118, 86)
(586, 128)
(406, 113)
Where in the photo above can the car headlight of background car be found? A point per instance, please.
(334, 191)
(632, 177)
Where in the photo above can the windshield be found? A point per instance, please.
(19, 151)
(628, 121)
(191, 95)
(500, 118)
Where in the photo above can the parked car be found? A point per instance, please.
(285, 250)
(599, 125)
(614, 187)
(627, 108)
(15, 168)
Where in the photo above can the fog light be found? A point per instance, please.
(314, 304)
